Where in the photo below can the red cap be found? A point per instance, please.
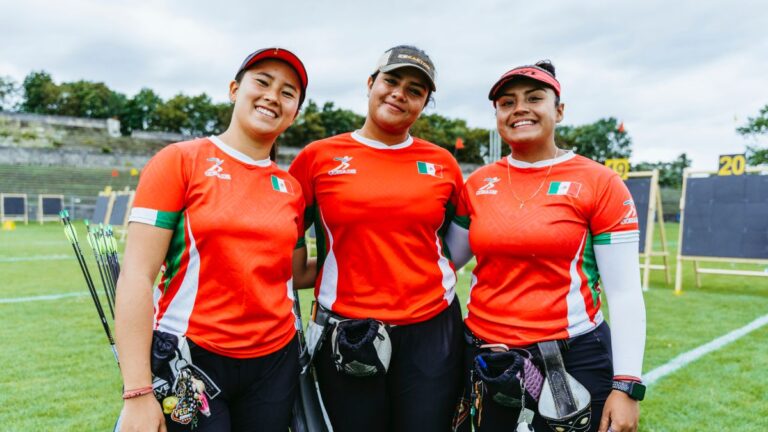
(279, 54)
(533, 72)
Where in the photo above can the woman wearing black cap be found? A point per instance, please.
(550, 229)
(380, 198)
(223, 221)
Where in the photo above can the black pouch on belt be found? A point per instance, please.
(361, 348)
(507, 374)
(169, 354)
(565, 404)
(164, 346)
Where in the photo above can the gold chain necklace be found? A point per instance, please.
(541, 185)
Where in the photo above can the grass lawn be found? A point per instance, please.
(58, 373)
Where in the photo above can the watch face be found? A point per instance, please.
(635, 390)
(638, 391)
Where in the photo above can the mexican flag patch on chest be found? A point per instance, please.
(430, 169)
(564, 188)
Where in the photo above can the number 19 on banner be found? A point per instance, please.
(733, 164)
(620, 166)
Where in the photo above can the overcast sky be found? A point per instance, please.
(681, 75)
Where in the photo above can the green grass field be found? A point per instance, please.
(58, 373)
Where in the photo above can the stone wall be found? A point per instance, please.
(70, 157)
(111, 126)
(31, 139)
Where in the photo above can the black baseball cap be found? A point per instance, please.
(407, 56)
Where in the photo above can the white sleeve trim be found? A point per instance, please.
(457, 242)
(619, 268)
(143, 215)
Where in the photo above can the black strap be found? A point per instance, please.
(473, 340)
(470, 339)
(565, 404)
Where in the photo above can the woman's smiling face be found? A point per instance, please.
(527, 112)
(266, 98)
(397, 98)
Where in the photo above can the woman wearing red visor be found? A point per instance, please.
(224, 220)
(550, 230)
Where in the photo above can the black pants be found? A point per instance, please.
(588, 359)
(257, 394)
(420, 390)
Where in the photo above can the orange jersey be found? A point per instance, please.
(227, 283)
(536, 278)
(379, 212)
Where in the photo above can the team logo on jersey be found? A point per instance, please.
(343, 167)
(631, 215)
(489, 187)
(566, 188)
(430, 169)
(216, 170)
(281, 185)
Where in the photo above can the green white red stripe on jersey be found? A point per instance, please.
(564, 188)
(174, 308)
(329, 270)
(582, 316)
(430, 169)
(175, 255)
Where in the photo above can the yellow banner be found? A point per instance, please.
(621, 166)
(732, 164)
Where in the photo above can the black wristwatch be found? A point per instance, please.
(635, 390)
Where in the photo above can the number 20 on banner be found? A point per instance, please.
(620, 166)
(733, 164)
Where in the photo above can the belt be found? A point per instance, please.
(322, 316)
(473, 340)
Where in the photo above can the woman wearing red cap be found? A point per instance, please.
(380, 198)
(550, 229)
(223, 220)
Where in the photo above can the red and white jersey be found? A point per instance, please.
(379, 211)
(536, 278)
(227, 283)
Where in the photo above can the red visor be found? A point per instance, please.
(278, 54)
(532, 72)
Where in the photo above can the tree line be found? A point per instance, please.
(200, 116)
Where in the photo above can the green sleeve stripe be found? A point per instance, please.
(450, 211)
(320, 236)
(617, 237)
(462, 221)
(309, 216)
(300, 243)
(160, 219)
(167, 220)
(176, 250)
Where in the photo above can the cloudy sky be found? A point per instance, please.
(681, 75)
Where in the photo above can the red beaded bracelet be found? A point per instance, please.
(626, 378)
(129, 394)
